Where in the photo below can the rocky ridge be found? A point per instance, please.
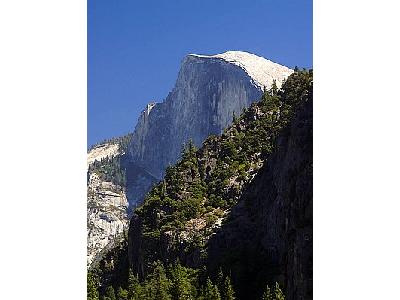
(102, 151)
(106, 215)
(107, 196)
(242, 202)
(208, 92)
(262, 71)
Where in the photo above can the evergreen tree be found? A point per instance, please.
(188, 150)
(220, 280)
(211, 291)
(267, 294)
(122, 294)
(92, 285)
(192, 189)
(274, 88)
(265, 95)
(134, 288)
(278, 293)
(216, 294)
(228, 292)
(160, 283)
(109, 293)
(181, 287)
(235, 119)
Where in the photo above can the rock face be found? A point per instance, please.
(208, 91)
(267, 235)
(106, 215)
(263, 236)
(106, 204)
(273, 220)
(138, 183)
(102, 151)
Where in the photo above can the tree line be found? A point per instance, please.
(176, 282)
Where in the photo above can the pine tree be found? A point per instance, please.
(92, 285)
(211, 291)
(109, 293)
(192, 146)
(265, 94)
(220, 280)
(228, 292)
(274, 88)
(160, 283)
(267, 294)
(216, 294)
(235, 119)
(181, 287)
(134, 288)
(188, 150)
(278, 293)
(122, 294)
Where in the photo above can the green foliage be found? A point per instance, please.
(228, 293)
(158, 285)
(122, 294)
(122, 141)
(110, 293)
(267, 294)
(112, 268)
(211, 178)
(204, 183)
(182, 282)
(92, 287)
(225, 286)
(210, 291)
(277, 294)
(134, 287)
(111, 168)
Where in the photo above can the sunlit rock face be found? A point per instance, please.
(108, 207)
(208, 92)
(106, 215)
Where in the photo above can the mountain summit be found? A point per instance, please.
(261, 70)
(235, 213)
(209, 92)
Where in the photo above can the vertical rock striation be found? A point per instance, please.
(106, 215)
(273, 219)
(208, 92)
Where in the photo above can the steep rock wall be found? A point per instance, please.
(273, 220)
(208, 92)
(106, 215)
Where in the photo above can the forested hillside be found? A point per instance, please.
(231, 220)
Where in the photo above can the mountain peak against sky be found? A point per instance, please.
(260, 69)
(209, 91)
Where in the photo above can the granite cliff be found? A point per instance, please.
(111, 180)
(209, 92)
(269, 233)
(242, 202)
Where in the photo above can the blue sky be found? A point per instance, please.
(135, 48)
